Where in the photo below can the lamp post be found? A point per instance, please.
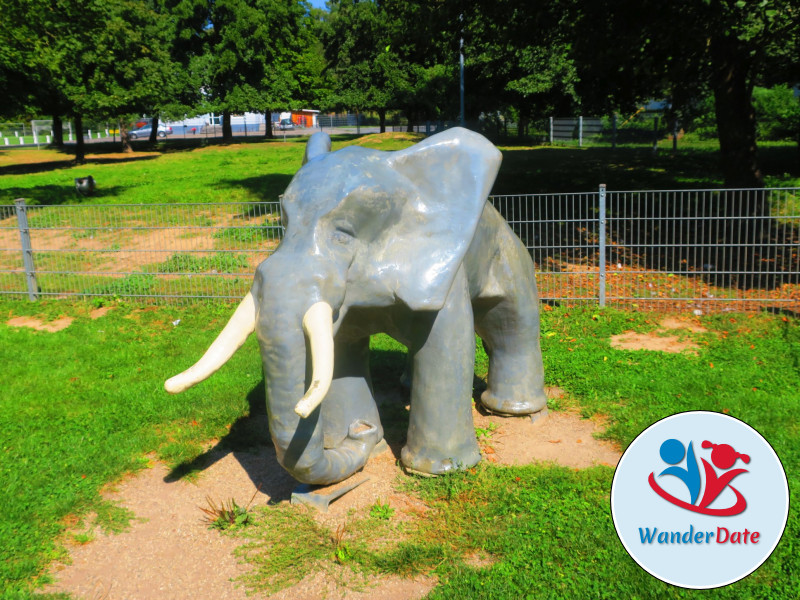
(461, 117)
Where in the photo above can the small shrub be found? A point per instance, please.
(777, 113)
(250, 234)
(381, 511)
(341, 550)
(223, 516)
(221, 262)
(132, 285)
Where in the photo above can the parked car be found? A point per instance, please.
(286, 124)
(144, 131)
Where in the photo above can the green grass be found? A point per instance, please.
(81, 407)
(86, 405)
(260, 170)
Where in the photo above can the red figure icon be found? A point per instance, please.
(724, 457)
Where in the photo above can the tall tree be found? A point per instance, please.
(127, 68)
(425, 36)
(103, 59)
(517, 55)
(366, 71)
(251, 50)
(643, 47)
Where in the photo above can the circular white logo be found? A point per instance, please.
(699, 500)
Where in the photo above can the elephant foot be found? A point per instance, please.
(510, 407)
(424, 465)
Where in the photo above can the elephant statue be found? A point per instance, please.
(404, 243)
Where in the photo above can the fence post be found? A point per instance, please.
(551, 130)
(580, 131)
(602, 234)
(27, 249)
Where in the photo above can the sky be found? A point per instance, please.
(318, 3)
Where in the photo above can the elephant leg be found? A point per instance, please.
(510, 333)
(441, 433)
(350, 397)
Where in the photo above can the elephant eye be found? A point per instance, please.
(343, 235)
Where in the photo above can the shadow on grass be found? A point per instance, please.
(50, 195)
(250, 442)
(266, 187)
(728, 238)
(69, 162)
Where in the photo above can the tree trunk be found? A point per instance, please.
(154, 129)
(522, 124)
(227, 130)
(80, 149)
(382, 117)
(58, 132)
(124, 137)
(736, 120)
(268, 133)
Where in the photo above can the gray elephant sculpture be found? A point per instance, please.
(398, 242)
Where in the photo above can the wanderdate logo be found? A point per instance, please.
(699, 500)
(723, 457)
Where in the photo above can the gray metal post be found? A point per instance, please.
(27, 249)
(602, 251)
(580, 131)
(551, 130)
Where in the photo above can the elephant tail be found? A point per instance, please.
(230, 339)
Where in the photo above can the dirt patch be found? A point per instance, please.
(53, 326)
(376, 139)
(39, 325)
(100, 312)
(169, 552)
(660, 340)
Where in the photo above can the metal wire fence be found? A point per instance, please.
(153, 251)
(706, 250)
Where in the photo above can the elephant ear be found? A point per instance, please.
(451, 174)
(318, 144)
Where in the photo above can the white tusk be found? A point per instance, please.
(230, 339)
(318, 327)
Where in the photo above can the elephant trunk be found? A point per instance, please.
(291, 357)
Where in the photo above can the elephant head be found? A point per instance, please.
(365, 232)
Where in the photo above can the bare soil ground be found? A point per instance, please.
(170, 553)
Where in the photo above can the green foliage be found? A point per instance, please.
(777, 113)
(221, 262)
(248, 234)
(130, 285)
(484, 433)
(281, 546)
(226, 515)
(365, 70)
(249, 51)
(381, 511)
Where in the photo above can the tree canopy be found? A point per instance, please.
(524, 60)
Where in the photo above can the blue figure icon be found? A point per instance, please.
(672, 452)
